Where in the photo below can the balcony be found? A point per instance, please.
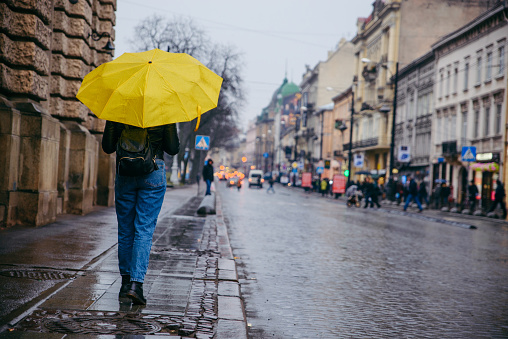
(371, 143)
(449, 148)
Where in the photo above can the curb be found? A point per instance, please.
(232, 322)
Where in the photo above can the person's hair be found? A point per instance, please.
(210, 161)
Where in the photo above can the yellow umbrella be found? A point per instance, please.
(150, 88)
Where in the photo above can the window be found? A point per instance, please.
(438, 130)
(488, 67)
(453, 127)
(410, 109)
(501, 57)
(487, 122)
(441, 84)
(455, 79)
(478, 70)
(444, 132)
(498, 119)
(448, 76)
(466, 76)
(463, 133)
(476, 123)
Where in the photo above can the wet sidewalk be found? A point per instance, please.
(62, 280)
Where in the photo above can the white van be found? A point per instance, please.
(256, 178)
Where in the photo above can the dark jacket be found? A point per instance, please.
(208, 172)
(500, 193)
(473, 191)
(413, 187)
(162, 138)
(422, 190)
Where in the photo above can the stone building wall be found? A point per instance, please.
(52, 159)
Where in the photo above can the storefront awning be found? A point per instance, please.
(485, 167)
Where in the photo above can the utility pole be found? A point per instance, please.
(391, 182)
(392, 144)
(350, 155)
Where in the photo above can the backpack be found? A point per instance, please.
(134, 153)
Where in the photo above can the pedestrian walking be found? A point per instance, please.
(436, 196)
(208, 175)
(498, 198)
(423, 194)
(445, 194)
(138, 201)
(324, 185)
(413, 195)
(399, 191)
(375, 192)
(270, 182)
(367, 191)
(472, 191)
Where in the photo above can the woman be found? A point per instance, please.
(138, 203)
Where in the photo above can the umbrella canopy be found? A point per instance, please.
(150, 88)
(363, 172)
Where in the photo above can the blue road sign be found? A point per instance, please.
(265, 155)
(469, 153)
(320, 170)
(202, 142)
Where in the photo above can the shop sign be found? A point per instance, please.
(307, 179)
(358, 161)
(404, 154)
(484, 156)
(339, 184)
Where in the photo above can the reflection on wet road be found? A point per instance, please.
(312, 268)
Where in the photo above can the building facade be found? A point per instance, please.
(415, 106)
(385, 39)
(51, 161)
(470, 108)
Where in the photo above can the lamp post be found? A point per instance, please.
(350, 155)
(392, 144)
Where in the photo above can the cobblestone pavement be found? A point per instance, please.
(312, 268)
(68, 280)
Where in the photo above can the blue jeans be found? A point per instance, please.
(138, 203)
(415, 198)
(208, 185)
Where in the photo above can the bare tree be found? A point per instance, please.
(181, 35)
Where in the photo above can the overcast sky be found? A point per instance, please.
(273, 35)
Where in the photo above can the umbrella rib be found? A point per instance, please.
(111, 73)
(177, 94)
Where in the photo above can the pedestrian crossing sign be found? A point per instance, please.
(469, 153)
(202, 142)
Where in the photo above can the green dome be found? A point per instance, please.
(289, 88)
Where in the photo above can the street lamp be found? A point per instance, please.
(350, 155)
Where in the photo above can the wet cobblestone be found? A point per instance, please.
(312, 268)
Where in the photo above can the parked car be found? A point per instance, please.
(256, 178)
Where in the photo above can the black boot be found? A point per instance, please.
(126, 284)
(136, 293)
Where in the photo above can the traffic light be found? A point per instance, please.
(346, 173)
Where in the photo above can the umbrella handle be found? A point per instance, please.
(199, 119)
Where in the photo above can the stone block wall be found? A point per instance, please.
(52, 148)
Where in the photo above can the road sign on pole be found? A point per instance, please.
(469, 153)
(202, 142)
